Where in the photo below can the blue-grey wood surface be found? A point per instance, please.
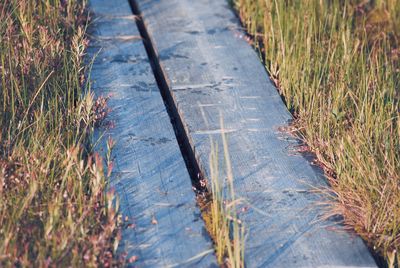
(149, 175)
(209, 69)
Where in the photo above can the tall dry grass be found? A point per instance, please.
(220, 206)
(336, 63)
(54, 211)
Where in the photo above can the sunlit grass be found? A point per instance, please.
(336, 63)
(220, 209)
(54, 210)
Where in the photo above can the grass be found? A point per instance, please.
(219, 209)
(54, 210)
(336, 64)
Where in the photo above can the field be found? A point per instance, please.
(54, 210)
(337, 66)
(335, 63)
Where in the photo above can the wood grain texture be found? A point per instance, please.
(210, 69)
(149, 176)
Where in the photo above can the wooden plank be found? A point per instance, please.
(211, 69)
(150, 176)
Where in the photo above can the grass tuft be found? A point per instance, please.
(220, 209)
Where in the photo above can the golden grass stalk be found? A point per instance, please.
(220, 213)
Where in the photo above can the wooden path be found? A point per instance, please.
(150, 176)
(206, 67)
(197, 58)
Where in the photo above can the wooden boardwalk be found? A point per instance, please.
(150, 176)
(199, 50)
(203, 68)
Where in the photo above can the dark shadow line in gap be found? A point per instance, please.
(186, 146)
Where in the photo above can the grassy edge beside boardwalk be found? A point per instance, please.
(54, 211)
(336, 63)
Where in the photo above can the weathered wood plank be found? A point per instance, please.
(209, 69)
(150, 176)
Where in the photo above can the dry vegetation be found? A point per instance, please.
(336, 63)
(219, 209)
(54, 210)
